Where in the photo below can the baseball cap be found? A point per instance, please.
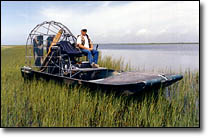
(84, 29)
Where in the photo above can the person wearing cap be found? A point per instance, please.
(86, 46)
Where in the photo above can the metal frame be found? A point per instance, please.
(47, 29)
(50, 29)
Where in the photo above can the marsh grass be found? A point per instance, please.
(48, 104)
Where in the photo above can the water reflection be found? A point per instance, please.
(149, 57)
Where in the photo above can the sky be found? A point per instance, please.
(106, 21)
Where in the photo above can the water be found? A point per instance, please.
(175, 57)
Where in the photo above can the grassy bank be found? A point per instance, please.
(47, 104)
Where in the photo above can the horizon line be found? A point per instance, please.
(125, 43)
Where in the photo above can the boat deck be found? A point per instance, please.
(127, 78)
(89, 69)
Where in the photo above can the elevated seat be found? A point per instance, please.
(69, 49)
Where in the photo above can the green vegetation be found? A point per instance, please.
(48, 104)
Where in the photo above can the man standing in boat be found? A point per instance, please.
(86, 46)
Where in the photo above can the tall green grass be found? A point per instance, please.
(48, 104)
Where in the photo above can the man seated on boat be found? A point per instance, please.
(86, 46)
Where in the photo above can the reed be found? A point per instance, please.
(48, 104)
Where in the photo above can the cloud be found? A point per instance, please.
(141, 32)
(106, 4)
(107, 22)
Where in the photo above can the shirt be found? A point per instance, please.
(86, 41)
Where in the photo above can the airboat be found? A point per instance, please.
(52, 54)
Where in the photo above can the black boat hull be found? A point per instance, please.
(119, 83)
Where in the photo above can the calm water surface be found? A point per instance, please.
(177, 57)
